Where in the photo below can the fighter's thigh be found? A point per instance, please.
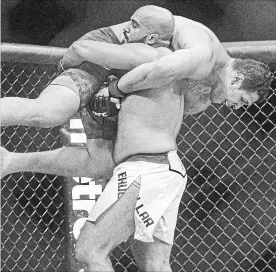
(59, 102)
(101, 162)
(112, 227)
(153, 256)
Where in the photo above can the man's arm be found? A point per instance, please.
(194, 63)
(124, 57)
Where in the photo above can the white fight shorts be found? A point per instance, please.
(162, 184)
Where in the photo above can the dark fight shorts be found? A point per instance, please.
(85, 80)
(84, 85)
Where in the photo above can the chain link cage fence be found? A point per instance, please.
(227, 216)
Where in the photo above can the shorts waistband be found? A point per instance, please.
(161, 158)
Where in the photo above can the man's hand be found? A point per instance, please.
(101, 104)
(116, 101)
(103, 92)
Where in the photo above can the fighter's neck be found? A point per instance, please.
(217, 93)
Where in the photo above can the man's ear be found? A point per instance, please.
(237, 79)
(153, 38)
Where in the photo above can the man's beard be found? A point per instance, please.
(141, 40)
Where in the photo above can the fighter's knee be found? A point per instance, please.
(81, 253)
(89, 254)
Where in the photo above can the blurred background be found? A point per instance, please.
(60, 22)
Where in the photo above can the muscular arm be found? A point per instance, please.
(124, 57)
(194, 63)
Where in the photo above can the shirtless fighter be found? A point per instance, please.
(70, 92)
(144, 193)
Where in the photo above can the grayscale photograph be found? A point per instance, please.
(185, 91)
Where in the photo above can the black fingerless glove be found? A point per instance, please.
(102, 106)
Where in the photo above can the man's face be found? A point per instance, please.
(235, 95)
(236, 98)
(135, 30)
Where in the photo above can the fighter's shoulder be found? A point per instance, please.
(188, 33)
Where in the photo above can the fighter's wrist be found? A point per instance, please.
(114, 90)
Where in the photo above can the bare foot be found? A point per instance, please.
(6, 160)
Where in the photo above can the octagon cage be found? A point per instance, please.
(227, 216)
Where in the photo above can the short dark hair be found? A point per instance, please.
(257, 77)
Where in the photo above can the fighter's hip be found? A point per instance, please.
(157, 145)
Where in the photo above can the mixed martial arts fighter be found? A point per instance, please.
(134, 200)
(143, 195)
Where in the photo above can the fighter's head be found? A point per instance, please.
(246, 81)
(151, 25)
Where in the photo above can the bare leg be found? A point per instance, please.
(66, 161)
(55, 106)
(114, 226)
(152, 257)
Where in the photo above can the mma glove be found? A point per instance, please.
(101, 105)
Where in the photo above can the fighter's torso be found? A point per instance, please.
(149, 122)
